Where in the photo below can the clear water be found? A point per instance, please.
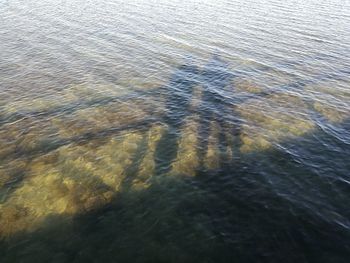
(174, 131)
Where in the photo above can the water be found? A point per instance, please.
(174, 131)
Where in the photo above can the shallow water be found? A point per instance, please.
(174, 131)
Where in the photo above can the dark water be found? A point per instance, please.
(174, 131)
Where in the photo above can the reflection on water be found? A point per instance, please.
(122, 144)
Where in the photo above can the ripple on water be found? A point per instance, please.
(174, 131)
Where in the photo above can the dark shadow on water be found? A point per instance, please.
(269, 207)
(291, 214)
(215, 78)
(214, 107)
(131, 171)
(29, 155)
(178, 99)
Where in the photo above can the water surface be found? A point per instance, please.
(174, 131)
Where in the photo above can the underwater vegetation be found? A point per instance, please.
(199, 169)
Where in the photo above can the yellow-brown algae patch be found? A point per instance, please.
(275, 77)
(151, 105)
(230, 141)
(272, 119)
(246, 86)
(212, 158)
(196, 98)
(51, 192)
(332, 112)
(41, 103)
(335, 89)
(187, 160)
(71, 180)
(13, 219)
(73, 94)
(107, 162)
(12, 170)
(7, 146)
(68, 126)
(146, 82)
(96, 91)
(331, 99)
(40, 164)
(47, 194)
(24, 135)
(101, 118)
(147, 166)
(115, 157)
(5, 177)
(253, 141)
(34, 104)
